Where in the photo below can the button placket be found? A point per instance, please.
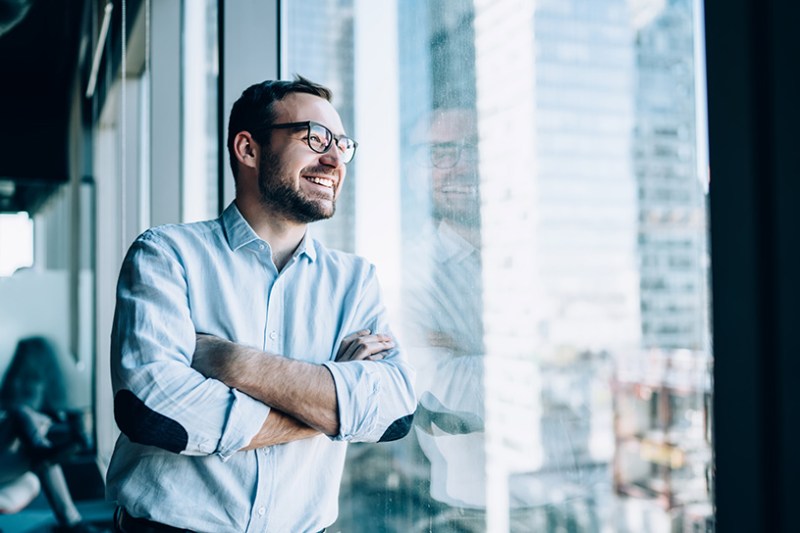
(265, 479)
(274, 323)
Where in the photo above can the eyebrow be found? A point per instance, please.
(330, 129)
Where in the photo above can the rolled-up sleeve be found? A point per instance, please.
(159, 400)
(376, 399)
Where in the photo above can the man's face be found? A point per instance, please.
(454, 172)
(293, 180)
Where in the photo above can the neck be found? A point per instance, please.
(282, 235)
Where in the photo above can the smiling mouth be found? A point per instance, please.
(321, 181)
(457, 189)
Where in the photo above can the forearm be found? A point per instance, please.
(280, 428)
(302, 390)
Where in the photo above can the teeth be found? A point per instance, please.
(325, 182)
(460, 189)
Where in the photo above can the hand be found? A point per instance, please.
(362, 346)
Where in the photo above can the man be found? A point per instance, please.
(299, 341)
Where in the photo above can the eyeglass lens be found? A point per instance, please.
(320, 139)
(444, 155)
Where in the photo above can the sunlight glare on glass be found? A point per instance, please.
(16, 242)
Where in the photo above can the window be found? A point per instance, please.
(199, 99)
(16, 242)
(559, 328)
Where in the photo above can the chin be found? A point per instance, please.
(314, 213)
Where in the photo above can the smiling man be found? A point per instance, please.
(244, 353)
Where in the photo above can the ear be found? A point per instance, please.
(246, 149)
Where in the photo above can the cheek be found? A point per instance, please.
(341, 182)
(440, 177)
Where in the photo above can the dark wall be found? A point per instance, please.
(38, 57)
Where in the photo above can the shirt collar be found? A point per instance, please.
(307, 247)
(452, 246)
(237, 230)
(239, 233)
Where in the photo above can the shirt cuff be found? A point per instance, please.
(356, 390)
(245, 420)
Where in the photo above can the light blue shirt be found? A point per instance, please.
(177, 460)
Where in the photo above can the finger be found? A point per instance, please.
(374, 344)
(351, 349)
(354, 345)
(348, 341)
(367, 349)
(378, 337)
(355, 335)
(362, 332)
(380, 355)
(364, 346)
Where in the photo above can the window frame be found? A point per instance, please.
(753, 115)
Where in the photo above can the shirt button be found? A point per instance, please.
(273, 335)
(262, 511)
(261, 246)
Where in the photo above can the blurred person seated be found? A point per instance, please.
(37, 433)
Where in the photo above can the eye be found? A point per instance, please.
(319, 138)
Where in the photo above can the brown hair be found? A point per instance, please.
(253, 111)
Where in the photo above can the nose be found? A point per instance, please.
(333, 157)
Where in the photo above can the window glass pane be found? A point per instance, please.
(200, 149)
(320, 47)
(550, 278)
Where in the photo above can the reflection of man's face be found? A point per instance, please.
(454, 170)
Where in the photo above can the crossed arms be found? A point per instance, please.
(302, 395)
(217, 401)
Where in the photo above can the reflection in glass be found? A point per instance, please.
(444, 322)
(554, 271)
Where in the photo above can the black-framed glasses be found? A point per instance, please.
(444, 155)
(320, 139)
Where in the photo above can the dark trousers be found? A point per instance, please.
(125, 523)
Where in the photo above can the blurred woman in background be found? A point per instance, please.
(36, 434)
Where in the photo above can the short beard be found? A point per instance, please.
(281, 197)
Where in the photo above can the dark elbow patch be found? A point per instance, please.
(398, 429)
(144, 426)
